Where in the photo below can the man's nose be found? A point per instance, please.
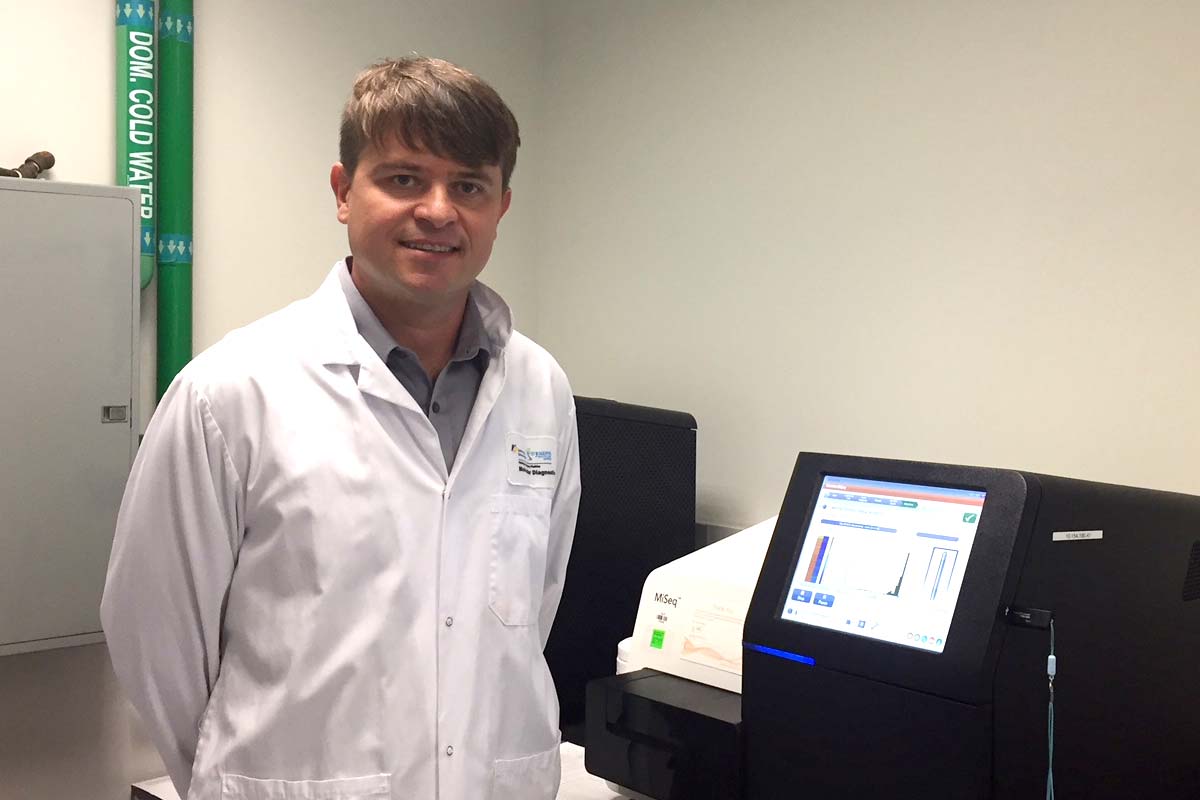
(436, 207)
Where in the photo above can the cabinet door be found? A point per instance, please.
(67, 333)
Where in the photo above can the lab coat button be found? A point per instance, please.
(449, 622)
(450, 750)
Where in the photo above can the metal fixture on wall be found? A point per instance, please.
(35, 165)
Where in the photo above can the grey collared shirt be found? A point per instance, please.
(448, 401)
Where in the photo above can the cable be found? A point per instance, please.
(1051, 670)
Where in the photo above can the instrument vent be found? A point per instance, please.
(1191, 583)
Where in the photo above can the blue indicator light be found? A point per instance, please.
(771, 651)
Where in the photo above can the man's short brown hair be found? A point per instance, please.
(432, 105)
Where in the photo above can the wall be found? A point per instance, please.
(269, 95)
(959, 232)
(271, 77)
(951, 231)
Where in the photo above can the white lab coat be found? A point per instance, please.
(301, 603)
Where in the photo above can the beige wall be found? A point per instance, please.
(950, 231)
(271, 77)
(271, 81)
(962, 232)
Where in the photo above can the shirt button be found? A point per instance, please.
(450, 750)
(449, 622)
(435, 408)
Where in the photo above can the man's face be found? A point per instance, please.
(421, 227)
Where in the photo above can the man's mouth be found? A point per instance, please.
(430, 247)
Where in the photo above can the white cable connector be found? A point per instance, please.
(1051, 666)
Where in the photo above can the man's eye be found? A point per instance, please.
(403, 180)
(466, 187)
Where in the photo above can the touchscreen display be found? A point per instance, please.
(885, 560)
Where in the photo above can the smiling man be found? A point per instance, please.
(344, 539)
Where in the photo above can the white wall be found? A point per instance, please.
(951, 231)
(271, 81)
(271, 78)
(962, 232)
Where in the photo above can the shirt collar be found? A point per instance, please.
(472, 339)
(474, 336)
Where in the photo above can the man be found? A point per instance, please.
(344, 539)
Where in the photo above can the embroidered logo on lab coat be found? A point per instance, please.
(531, 460)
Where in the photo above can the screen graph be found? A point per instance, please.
(885, 560)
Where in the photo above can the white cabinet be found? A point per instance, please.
(69, 299)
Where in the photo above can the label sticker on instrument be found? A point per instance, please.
(1077, 536)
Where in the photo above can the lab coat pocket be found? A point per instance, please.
(520, 534)
(534, 777)
(239, 787)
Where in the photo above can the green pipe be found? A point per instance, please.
(137, 48)
(176, 31)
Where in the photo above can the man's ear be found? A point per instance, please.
(505, 202)
(339, 181)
